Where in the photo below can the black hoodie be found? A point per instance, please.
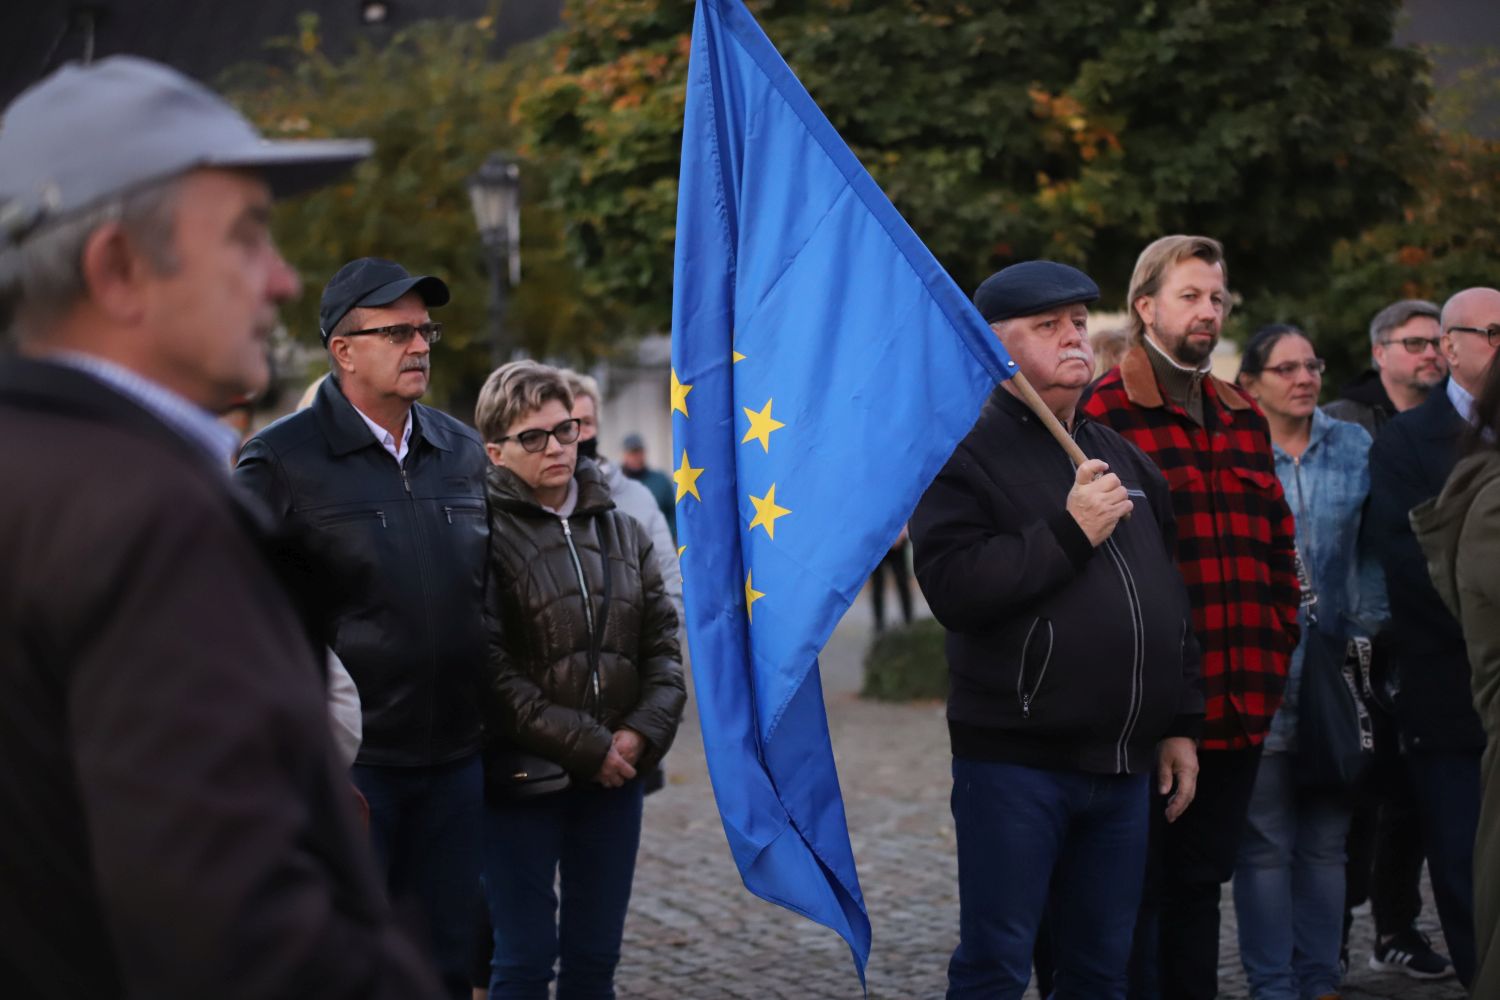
(1363, 401)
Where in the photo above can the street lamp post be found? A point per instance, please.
(495, 195)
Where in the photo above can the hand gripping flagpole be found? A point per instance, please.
(1049, 420)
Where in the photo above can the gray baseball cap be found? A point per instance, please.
(88, 132)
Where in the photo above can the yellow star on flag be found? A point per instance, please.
(680, 550)
(687, 479)
(766, 511)
(738, 357)
(761, 426)
(751, 596)
(679, 395)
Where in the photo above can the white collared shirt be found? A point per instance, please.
(1462, 400)
(398, 451)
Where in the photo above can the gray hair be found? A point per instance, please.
(1398, 314)
(580, 384)
(41, 277)
(347, 324)
(514, 390)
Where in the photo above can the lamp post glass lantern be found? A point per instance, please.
(495, 196)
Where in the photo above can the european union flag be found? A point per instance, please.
(824, 366)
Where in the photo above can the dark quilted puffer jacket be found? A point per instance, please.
(542, 618)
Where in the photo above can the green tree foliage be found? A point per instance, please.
(1003, 131)
(1447, 238)
(436, 103)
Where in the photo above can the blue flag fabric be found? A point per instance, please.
(824, 366)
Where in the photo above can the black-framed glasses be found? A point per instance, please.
(535, 439)
(1288, 369)
(402, 333)
(1416, 345)
(1491, 332)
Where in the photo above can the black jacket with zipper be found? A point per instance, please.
(1363, 401)
(415, 536)
(1060, 655)
(576, 655)
(1410, 462)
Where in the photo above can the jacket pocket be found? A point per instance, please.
(1255, 480)
(352, 517)
(1184, 478)
(1036, 656)
(1255, 495)
(454, 513)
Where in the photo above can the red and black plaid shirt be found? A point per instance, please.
(1235, 538)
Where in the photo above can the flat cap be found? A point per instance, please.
(374, 282)
(87, 133)
(1031, 287)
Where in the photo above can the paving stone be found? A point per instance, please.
(695, 933)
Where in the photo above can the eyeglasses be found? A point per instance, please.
(1416, 345)
(535, 439)
(401, 333)
(1490, 333)
(1288, 369)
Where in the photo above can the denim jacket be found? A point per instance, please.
(1326, 488)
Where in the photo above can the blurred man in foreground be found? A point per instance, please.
(176, 825)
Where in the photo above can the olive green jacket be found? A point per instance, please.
(1460, 534)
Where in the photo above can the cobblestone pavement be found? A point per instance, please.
(695, 932)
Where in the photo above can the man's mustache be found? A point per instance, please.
(415, 365)
(1074, 354)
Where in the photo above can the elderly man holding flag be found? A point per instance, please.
(1070, 658)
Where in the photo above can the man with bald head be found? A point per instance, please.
(1440, 731)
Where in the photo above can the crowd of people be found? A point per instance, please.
(1218, 648)
(375, 715)
(311, 728)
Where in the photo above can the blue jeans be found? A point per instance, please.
(1021, 830)
(1289, 885)
(1447, 787)
(589, 835)
(424, 826)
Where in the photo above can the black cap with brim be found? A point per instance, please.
(1031, 287)
(373, 282)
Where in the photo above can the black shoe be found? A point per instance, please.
(1410, 951)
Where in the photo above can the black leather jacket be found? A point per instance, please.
(415, 536)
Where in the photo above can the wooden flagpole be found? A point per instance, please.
(1049, 419)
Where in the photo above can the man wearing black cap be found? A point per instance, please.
(395, 491)
(1073, 674)
(175, 824)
